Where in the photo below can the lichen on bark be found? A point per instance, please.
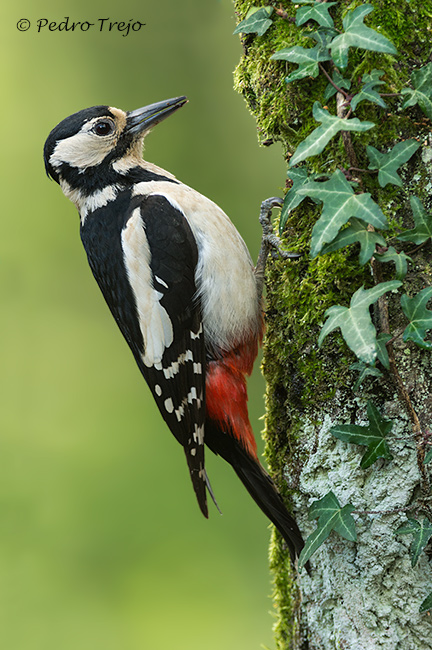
(363, 595)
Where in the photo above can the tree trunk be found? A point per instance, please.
(363, 594)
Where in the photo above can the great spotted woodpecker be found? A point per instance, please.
(180, 283)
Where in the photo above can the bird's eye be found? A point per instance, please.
(105, 127)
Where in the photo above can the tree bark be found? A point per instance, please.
(360, 595)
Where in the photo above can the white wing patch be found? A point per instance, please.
(155, 324)
(224, 275)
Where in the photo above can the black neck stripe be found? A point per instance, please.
(94, 179)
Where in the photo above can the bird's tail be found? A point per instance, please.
(258, 483)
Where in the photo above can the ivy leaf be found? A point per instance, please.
(355, 321)
(423, 224)
(340, 81)
(422, 533)
(330, 126)
(356, 34)
(371, 436)
(307, 58)
(365, 371)
(299, 177)
(257, 21)
(330, 517)
(428, 457)
(420, 318)
(382, 352)
(388, 163)
(356, 232)
(318, 12)
(368, 93)
(373, 75)
(422, 93)
(400, 260)
(323, 36)
(339, 205)
(426, 604)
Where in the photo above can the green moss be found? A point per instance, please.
(300, 377)
(285, 595)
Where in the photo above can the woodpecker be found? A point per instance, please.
(181, 285)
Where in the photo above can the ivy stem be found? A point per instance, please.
(395, 336)
(420, 246)
(340, 90)
(400, 386)
(363, 171)
(342, 110)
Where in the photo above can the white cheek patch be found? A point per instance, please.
(155, 324)
(82, 150)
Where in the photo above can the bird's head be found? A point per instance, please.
(87, 145)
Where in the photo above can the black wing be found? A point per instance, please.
(143, 255)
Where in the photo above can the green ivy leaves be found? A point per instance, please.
(307, 58)
(355, 321)
(400, 260)
(371, 436)
(420, 318)
(321, 136)
(298, 176)
(257, 21)
(357, 231)
(426, 604)
(331, 516)
(421, 531)
(388, 163)
(368, 93)
(422, 93)
(423, 224)
(356, 34)
(319, 11)
(339, 205)
(356, 324)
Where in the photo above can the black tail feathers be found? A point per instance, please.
(262, 489)
(259, 485)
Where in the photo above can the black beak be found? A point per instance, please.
(145, 118)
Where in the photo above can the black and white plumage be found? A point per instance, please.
(180, 284)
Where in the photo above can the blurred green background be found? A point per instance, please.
(102, 545)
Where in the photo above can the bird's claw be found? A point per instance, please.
(265, 213)
(269, 238)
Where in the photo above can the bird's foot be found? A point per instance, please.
(271, 243)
